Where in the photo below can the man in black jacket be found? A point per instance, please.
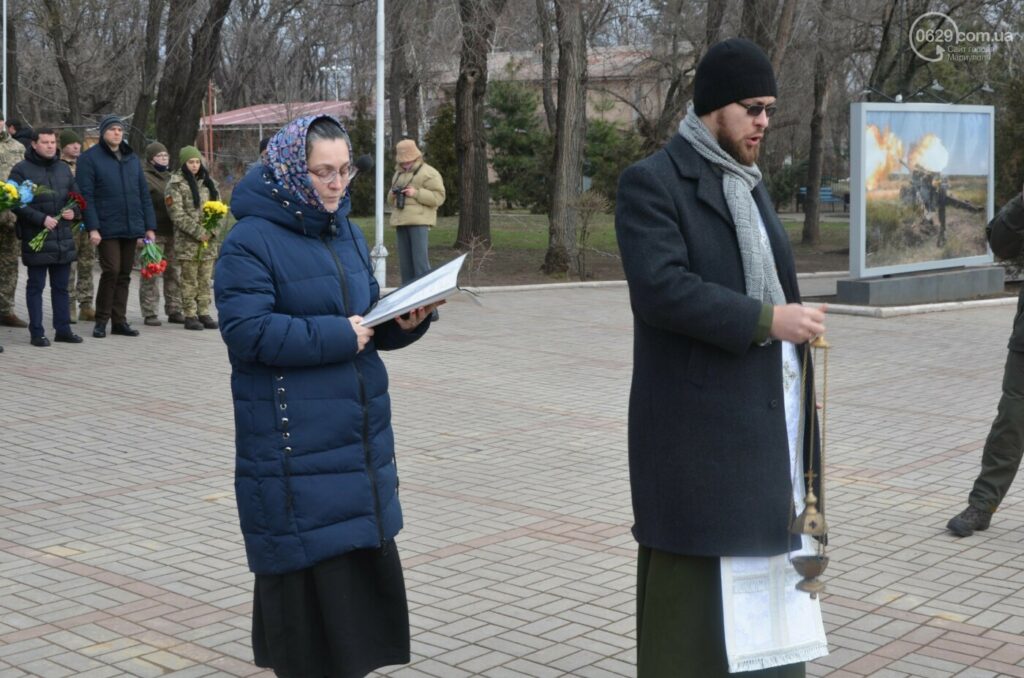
(718, 331)
(47, 217)
(1005, 444)
(118, 212)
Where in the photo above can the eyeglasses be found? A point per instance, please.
(328, 176)
(754, 110)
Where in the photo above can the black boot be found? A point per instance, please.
(124, 329)
(208, 322)
(969, 521)
(100, 330)
(192, 323)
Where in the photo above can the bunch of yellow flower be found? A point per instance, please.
(213, 212)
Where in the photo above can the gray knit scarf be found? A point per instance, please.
(738, 182)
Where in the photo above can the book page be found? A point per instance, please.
(424, 290)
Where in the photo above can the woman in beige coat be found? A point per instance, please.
(417, 190)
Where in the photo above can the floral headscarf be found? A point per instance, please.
(286, 159)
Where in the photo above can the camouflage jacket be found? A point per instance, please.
(11, 153)
(187, 219)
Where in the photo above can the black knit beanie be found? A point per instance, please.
(732, 70)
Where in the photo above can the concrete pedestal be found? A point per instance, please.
(922, 288)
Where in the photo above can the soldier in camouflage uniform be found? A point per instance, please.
(80, 285)
(189, 188)
(11, 153)
(158, 173)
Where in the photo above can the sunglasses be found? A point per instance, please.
(754, 110)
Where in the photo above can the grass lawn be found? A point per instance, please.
(520, 240)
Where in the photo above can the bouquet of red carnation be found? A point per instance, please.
(152, 259)
(74, 200)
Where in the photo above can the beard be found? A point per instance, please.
(739, 152)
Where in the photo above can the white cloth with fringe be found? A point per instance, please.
(769, 623)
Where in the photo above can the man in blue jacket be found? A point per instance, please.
(117, 213)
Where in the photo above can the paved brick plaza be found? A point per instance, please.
(120, 553)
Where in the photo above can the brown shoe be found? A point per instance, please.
(11, 320)
(208, 322)
(152, 321)
(86, 314)
(192, 323)
(178, 318)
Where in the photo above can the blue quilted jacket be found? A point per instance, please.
(315, 472)
(116, 195)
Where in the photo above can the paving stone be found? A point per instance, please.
(519, 560)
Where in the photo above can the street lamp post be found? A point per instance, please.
(5, 59)
(380, 253)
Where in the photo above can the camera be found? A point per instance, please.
(399, 197)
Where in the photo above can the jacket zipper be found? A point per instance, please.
(362, 398)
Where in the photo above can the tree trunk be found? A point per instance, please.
(546, 51)
(412, 107)
(150, 64)
(783, 33)
(713, 26)
(756, 21)
(61, 44)
(12, 67)
(188, 67)
(570, 136)
(397, 72)
(478, 23)
(812, 227)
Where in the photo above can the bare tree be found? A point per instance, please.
(398, 71)
(756, 22)
(191, 58)
(12, 67)
(150, 65)
(547, 48)
(812, 226)
(674, 57)
(570, 136)
(478, 25)
(62, 44)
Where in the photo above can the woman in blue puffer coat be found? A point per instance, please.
(315, 476)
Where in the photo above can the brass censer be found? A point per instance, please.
(811, 521)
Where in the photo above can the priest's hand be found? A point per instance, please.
(797, 323)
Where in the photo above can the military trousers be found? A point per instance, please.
(1005, 443)
(196, 275)
(10, 250)
(80, 285)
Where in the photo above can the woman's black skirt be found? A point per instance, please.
(341, 618)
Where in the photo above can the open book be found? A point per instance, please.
(434, 286)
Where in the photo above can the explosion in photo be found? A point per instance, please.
(926, 186)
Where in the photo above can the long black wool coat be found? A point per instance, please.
(708, 448)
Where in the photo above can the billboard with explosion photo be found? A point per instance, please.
(921, 187)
